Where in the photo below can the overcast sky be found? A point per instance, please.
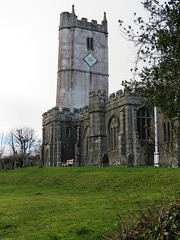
(29, 53)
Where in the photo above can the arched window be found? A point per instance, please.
(143, 123)
(113, 133)
(167, 131)
(86, 141)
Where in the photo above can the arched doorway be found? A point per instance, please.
(105, 160)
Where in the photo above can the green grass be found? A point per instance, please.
(77, 203)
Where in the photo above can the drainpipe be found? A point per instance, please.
(156, 153)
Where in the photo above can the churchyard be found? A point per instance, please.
(78, 202)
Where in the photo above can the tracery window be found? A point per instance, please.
(167, 131)
(143, 123)
(86, 141)
(113, 133)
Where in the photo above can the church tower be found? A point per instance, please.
(82, 60)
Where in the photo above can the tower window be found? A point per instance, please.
(90, 43)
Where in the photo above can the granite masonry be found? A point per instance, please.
(87, 124)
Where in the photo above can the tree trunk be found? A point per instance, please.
(178, 146)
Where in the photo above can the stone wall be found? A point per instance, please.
(119, 109)
(106, 133)
(59, 136)
(75, 77)
(166, 142)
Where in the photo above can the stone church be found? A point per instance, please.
(87, 124)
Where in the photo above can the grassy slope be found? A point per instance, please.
(77, 203)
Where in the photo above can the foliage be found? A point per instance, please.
(158, 42)
(157, 222)
(77, 202)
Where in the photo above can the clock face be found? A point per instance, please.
(90, 59)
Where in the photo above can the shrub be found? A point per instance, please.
(157, 222)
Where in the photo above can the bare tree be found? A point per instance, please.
(10, 140)
(2, 147)
(23, 143)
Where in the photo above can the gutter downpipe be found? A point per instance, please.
(156, 153)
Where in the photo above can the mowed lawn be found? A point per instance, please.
(77, 202)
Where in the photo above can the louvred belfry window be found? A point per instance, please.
(90, 43)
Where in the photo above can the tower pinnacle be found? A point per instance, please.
(104, 22)
(73, 9)
(104, 17)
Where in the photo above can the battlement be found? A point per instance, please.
(69, 20)
(98, 100)
(121, 98)
(85, 109)
(55, 115)
(117, 95)
(50, 112)
(98, 93)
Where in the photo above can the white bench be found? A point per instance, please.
(69, 163)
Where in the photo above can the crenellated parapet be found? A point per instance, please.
(121, 98)
(70, 20)
(98, 93)
(98, 101)
(84, 113)
(54, 115)
(118, 95)
(50, 116)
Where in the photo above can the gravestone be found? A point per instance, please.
(40, 163)
(142, 157)
(130, 160)
(123, 161)
(7, 167)
(18, 165)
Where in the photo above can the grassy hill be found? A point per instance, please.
(77, 203)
